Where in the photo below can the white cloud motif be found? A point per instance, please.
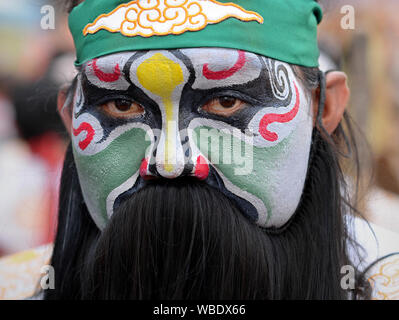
(161, 17)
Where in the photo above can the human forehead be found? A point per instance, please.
(209, 65)
(196, 55)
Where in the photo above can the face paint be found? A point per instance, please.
(238, 121)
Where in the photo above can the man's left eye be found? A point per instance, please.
(224, 106)
(122, 108)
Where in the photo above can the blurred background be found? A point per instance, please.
(36, 58)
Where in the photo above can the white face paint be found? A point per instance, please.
(238, 121)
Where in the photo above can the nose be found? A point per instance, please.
(162, 76)
(169, 156)
(172, 157)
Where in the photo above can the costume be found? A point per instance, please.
(381, 259)
(20, 273)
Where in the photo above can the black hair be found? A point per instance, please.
(70, 4)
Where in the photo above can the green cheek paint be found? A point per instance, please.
(254, 171)
(106, 170)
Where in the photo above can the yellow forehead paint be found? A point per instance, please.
(160, 75)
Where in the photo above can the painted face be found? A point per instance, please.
(240, 122)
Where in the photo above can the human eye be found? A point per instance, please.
(122, 108)
(224, 106)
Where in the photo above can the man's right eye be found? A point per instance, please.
(122, 108)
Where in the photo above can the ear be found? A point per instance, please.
(63, 110)
(337, 97)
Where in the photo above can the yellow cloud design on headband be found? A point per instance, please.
(161, 17)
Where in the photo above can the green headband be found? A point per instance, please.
(285, 30)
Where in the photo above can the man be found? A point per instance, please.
(204, 156)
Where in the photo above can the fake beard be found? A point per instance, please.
(182, 239)
(178, 239)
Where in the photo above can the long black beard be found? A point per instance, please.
(181, 239)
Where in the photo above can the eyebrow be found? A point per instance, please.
(92, 74)
(220, 73)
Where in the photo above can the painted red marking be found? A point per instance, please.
(143, 167)
(144, 173)
(84, 126)
(223, 74)
(201, 168)
(281, 118)
(105, 77)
